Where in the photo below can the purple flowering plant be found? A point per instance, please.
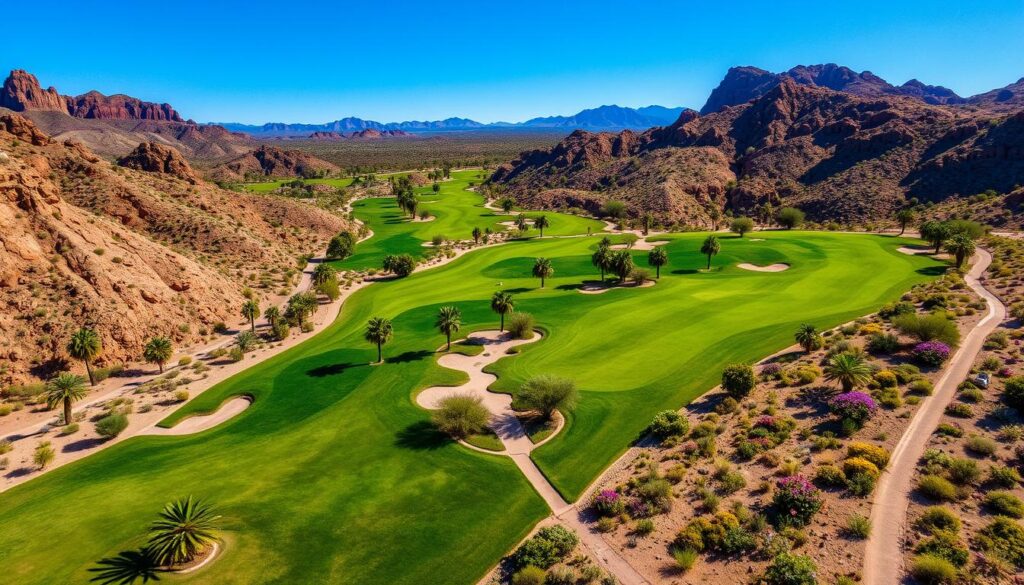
(855, 406)
(931, 353)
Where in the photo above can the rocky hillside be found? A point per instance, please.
(836, 154)
(130, 252)
(113, 125)
(270, 161)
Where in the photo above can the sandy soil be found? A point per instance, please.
(770, 268)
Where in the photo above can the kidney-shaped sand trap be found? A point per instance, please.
(197, 423)
(770, 268)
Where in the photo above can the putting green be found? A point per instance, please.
(334, 475)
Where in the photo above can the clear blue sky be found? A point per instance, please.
(303, 61)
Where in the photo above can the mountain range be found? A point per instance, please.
(601, 118)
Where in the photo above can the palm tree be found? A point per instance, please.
(602, 258)
(85, 345)
(66, 388)
(540, 223)
(323, 273)
(621, 264)
(960, 246)
(449, 319)
(502, 304)
(507, 204)
(185, 529)
(657, 258)
(849, 370)
(378, 330)
(542, 269)
(808, 337)
(251, 310)
(157, 351)
(710, 248)
(522, 223)
(648, 220)
(272, 315)
(904, 216)
(476, 235)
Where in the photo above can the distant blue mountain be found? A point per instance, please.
(602, 118)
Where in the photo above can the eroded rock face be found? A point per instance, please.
(158, 158)
(270, 161)
(118, 107)
(21, 91)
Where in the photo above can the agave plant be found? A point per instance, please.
(184, 530)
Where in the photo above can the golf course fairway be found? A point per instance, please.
(335, 475)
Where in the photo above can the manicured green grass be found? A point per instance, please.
(335, 475)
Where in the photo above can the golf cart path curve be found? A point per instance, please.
(883, 557)
(517, 443)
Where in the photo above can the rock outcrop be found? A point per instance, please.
(21, 91)
(157, 158)
(119, 107)
(270, 161)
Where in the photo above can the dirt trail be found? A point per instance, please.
(518, 445)
(883, 558)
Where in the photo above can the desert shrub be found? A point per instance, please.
(945, 545)
(180, 395)
(790, 569)
(461, 415)
(644, 526)
(883, 343)
(795, 501)
(546, 394)
(972, 395)
(1002, 476)
(236, 354)
(1004, 504)
(949, 429)
(280, 331)
(981, 445)
(854, 406)
(962, 471)
(890, 310)
(561, 576)
(873, 453)
(931, 327)
(906, 373)
(738, 380)
(608, 503)
(111, 425)
(69, 429)
(654, 496)
(959, 410)
(43, 455)
(550, 545)
(858, 465)
(400, 265)
(590, 573)
(529, 575)
(931, 570)
(605, 524)
(685, 558)
(828, 475)
(1004, 538)
(520, 325)
(886, 379)
(931, 353)
(936, 488)
(1013, 392)
(938, 518)
(790, 217)
(5, 447)
(727, 405)
(858, 526)
(731, 482)
(921, 387)
(669, 423)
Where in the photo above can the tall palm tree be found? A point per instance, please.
(378, 330)
(251, 310)
(540, 223)
(542, 269)
(158, 351)
(849, 370)
(808, 337)
(477, 233)
(272, 315)
(621, 264)
(961, 246)
(449, 320)
(66, 388)
(657, 258)
(184, 530)
(85, 345)
(904, 216)
(602, 257)
(502, 304)
(710, 248)
(323, 273)
(522, 223)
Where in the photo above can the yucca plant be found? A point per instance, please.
(184, 530)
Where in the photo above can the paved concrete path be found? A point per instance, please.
(883, 559)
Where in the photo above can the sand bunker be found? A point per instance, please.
(639, 245)
(913, 251)
(195, 424)
(770, 268)
(596, 288)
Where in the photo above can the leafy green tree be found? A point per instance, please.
(85, 345)
(436, 188)
(936, 233)
(741, 225)
(378, 331)
(614, 209)
(848, 369)
(710, 247)
(477, 234)
(657, 258)
(158, 351)
(341, 246)
(400, 265)
(905, 217)
(507, 204)
(185, 529)
(66, 388)
(449, 320)
(621, 264)
(546, 394)
(540, 223)
(961, 246)
(502, 304)
(790, 217)
(251, 310)
(738, 380)
(542, 269)
(807, 337)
